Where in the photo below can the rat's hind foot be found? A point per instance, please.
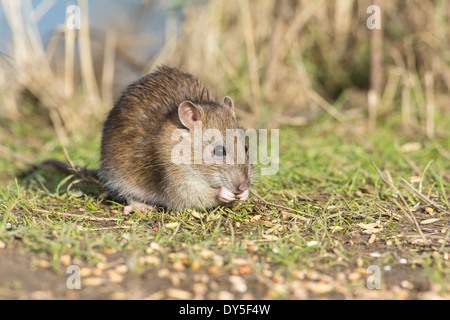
(138, 206)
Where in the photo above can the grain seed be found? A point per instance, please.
(429, 221)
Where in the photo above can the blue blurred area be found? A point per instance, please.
(137, 17)
(139, 24)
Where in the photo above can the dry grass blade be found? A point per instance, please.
(407, 212)
(285, 208)
(421, 196)
(72, 215)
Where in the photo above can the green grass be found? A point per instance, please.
(326, 180)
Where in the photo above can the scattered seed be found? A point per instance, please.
(389, 242)
(178, 266)
(429, 210)
(429, 221)
(361, 270)
(195, 214)
(213, 270)
(218, 261)
(225, 295)
(154, 246)
(255, 218)
(240, 261)
(163, 273)
(93, 282)
(128, 222)
(178, 294)
(97, 271)
(199, 289)
(85, 272)
(335, 228)
(312, 275)
(372, 239)
(245, 270)
(277, 278)
(152, 260)
(312, 243)
(110, 250)
(319, 287)
(195, 265)
(122, 269)
(114, 276)
(267, 273)
(66, 260)
(297, 274)
(175, 278)
(102, 265)
(207, 254)
(172, 225)
(340, 277)
(410, 147)
(42, 264)
(158, 295)
(118, 296)
(240, 287)
(354, 276)
(41, 295)
(417, 241)
(405, 284)
(2, 245)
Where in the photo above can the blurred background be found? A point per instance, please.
(284, 62)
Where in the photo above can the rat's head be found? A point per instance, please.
(220, 153)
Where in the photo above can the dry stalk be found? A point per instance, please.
(407, 212)
(421, 196)
(376, 73)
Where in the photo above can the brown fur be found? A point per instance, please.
(136, 144)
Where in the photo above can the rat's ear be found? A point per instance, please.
(229, 103)
(188, 114)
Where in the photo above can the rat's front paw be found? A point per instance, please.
(243, 195)
(226, 195)
(137, 206)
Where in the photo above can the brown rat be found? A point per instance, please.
(138, 144)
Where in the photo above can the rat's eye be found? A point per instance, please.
(220, 151)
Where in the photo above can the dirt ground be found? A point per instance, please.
(402, 275)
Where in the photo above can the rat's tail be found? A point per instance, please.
(64, 167)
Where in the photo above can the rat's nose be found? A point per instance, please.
(241, 187)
